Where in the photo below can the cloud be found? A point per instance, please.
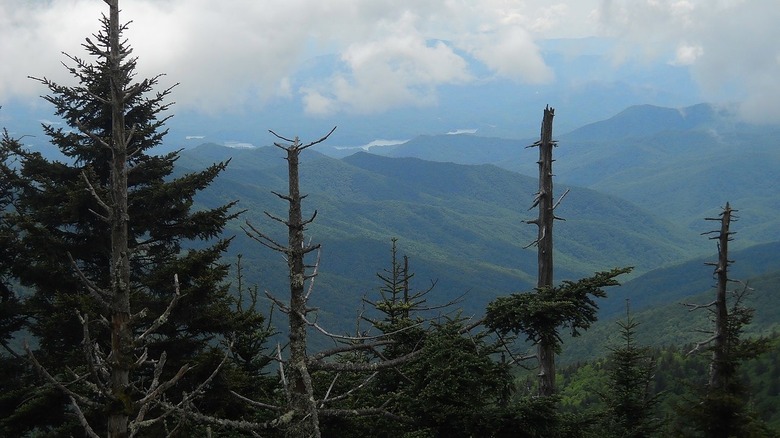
(510, 52)
(687, 54)
(732, 47)
(230, 56)
(400, 69)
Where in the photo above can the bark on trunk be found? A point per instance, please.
(717, 372)
(121, 332)
(306, 422)
(545, 351)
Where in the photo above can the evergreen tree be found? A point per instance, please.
(16, 378)
(629, 398)
(11, 317)
(69, 256)
(541, 315)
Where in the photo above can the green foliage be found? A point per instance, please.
(540, 315)
(445, 214)
(723, 410)
(65, 261)
(455, 388)
(630, 399)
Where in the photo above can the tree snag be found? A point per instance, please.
(544, 244)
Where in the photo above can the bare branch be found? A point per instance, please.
(276, 218)
(163, 318)
(256, 403)
(349, 348)
(285, 197)
(348, 393)
(693, 306)
(97, 197)
(701, 344)
(98, 293)
(61, 386)
(281, 371)
(280, 137)
(313, 275)
(83, 420)
(372, 366)
(282, 306)
(264, 239)
(286, 418)
(92, 135)
(90, 353)
(320, 140)
(561, 199)
(354, 338)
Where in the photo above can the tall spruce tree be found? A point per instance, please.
(103, 234)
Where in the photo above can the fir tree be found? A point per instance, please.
(630, 399)
(68, 242)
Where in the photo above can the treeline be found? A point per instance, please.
(131, 324)
(677, 378)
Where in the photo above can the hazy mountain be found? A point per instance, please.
(683, 164)
(460, 224)
(657, 302)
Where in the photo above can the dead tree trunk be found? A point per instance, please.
(300, 393)
(302, 400)
(718, 372)
(544, 242)
(121, 330)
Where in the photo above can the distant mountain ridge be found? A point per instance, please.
(644, 120)
(461, 224)
(683, 163)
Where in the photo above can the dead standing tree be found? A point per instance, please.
(544, 242)
(722, 410)
(541, 314)
(301, 417)
(720, 337)
(300, 392)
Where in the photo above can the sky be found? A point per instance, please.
(231, 55)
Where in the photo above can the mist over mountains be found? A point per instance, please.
(589, 85)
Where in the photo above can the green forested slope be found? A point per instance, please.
(658, 297)
(681, 164)
(462, 225)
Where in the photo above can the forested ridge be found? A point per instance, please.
(205, 293)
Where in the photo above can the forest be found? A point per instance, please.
(124, 312)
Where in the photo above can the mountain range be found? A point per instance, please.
(461, 218)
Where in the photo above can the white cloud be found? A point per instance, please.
(244, 52)
(732, 47)
(399, 70)
(687, 54)
(510, 52)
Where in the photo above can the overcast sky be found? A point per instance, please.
(228, 53)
